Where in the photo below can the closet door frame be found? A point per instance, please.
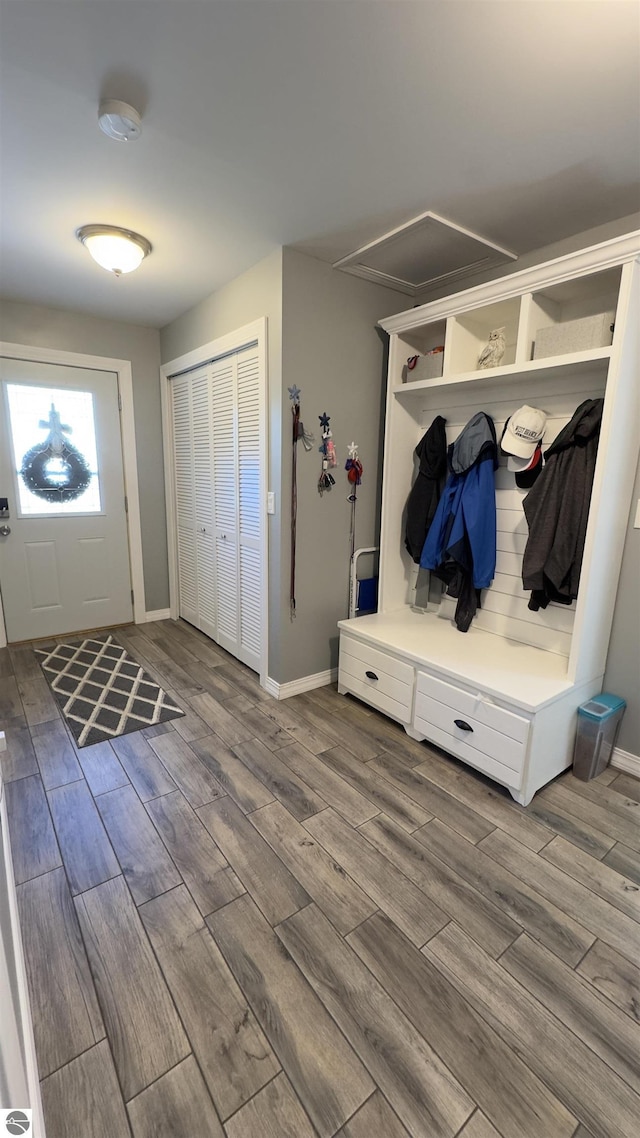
(244, 337)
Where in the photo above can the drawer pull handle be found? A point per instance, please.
(371, 675)
(462, 725)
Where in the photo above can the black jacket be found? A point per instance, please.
(427, 488)
(557, 509)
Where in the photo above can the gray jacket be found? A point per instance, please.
(557, 509)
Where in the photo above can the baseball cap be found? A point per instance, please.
(526, 476)
(517, 465)
(522, 433)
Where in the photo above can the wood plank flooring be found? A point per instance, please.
(289, 920)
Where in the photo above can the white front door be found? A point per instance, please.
(64, 554)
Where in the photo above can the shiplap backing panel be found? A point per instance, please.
(534, 634)
(560, 616)
(508, 542)
(505, 610)
(509, 563)
(501, 601)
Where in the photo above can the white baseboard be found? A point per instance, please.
(625, 761)
(158, 614)
(305, 683)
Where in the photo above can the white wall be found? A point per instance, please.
(43, 327)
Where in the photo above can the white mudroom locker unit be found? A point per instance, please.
(216, 424)
(503, 696)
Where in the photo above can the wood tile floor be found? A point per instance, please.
(287, 920)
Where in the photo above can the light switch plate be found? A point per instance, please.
(271, 502)
(636, 524)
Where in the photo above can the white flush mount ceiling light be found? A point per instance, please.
(117, 250)
(119, 121)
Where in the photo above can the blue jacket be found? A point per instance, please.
(460, 547)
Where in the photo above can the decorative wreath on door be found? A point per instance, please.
(55, 470)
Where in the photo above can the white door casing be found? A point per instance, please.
(217, 531)
(126, 456)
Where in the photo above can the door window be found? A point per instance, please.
(53, 438)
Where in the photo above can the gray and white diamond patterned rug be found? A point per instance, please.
(101, 691)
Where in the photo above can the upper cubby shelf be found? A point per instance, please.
(468, 334)
(561, 318)
(592, 361)
(550, 318)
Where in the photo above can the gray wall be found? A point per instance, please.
(37, 326)
(322, 336)
(254, 294)
(334, 353)
(559, 249)
(622, 676)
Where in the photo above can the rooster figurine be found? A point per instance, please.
(494, 351)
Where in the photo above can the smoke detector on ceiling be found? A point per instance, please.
(119, 121)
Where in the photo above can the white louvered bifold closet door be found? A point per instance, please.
(184, 497)
(191, 406)
(225, 496)
(218, 440)
(203, 492)
(250, 441)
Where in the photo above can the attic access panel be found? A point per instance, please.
(423, 252)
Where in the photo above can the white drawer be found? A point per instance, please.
(475, 734)
(370, 680)
(475, 704)
(375, 660)
(394, 708)
(469, 754)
